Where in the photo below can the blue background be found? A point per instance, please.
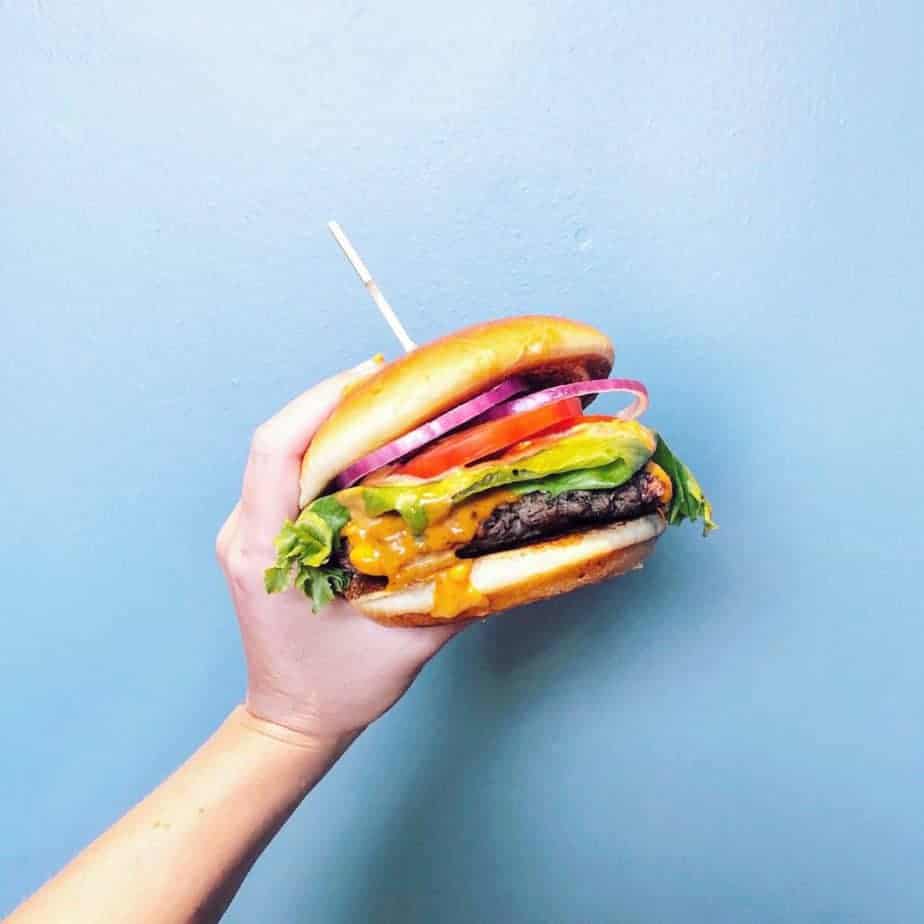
(733, 191)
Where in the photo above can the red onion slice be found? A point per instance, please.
(576, 390)
(428, 432)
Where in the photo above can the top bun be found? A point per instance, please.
(439, 375)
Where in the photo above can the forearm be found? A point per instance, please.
(181, 854)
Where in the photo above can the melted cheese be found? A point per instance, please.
(453, 592)
(656, 471)
(385, 547)
(422, 568)
(380, 546)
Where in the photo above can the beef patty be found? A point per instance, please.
(537, 516)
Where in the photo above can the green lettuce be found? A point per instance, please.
(303, 549)
(688, 502)
(585, 479)
(621, 447)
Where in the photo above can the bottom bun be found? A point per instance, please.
(524, 575)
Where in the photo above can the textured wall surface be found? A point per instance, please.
(733, 191)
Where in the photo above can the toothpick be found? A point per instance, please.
(371, 287)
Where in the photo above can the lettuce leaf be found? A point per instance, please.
(624, 445)
(586, 479)
(688, 502)
(302, 550)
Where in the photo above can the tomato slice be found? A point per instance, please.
(488, 438)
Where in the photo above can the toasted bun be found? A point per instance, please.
(527, 574)
(439, 375)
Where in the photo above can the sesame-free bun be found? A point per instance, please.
(524, 575)
(440, 375)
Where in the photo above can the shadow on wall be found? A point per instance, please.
(443, 828)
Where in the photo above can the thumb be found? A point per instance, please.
(270, 491)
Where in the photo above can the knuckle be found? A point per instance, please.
(244, 568)
(265, 441)
(243, 586)
(238, 561)
(225, 536)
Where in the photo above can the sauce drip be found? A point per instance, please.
(385, 547)
(453, 593)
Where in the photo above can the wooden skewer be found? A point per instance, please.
(371, 287)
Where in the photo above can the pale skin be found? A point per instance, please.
(314, 682)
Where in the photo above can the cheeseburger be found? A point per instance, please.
(466, 478)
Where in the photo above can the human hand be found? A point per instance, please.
(323, 674)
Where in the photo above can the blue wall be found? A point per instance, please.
(733, 191)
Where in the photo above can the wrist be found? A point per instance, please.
(301, 743)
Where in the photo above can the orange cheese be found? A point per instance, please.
(385, 547)
(380, 546)
(656, 471)
(453, 592)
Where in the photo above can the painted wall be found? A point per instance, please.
(733, 191)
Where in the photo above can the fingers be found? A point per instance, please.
(270, 491)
